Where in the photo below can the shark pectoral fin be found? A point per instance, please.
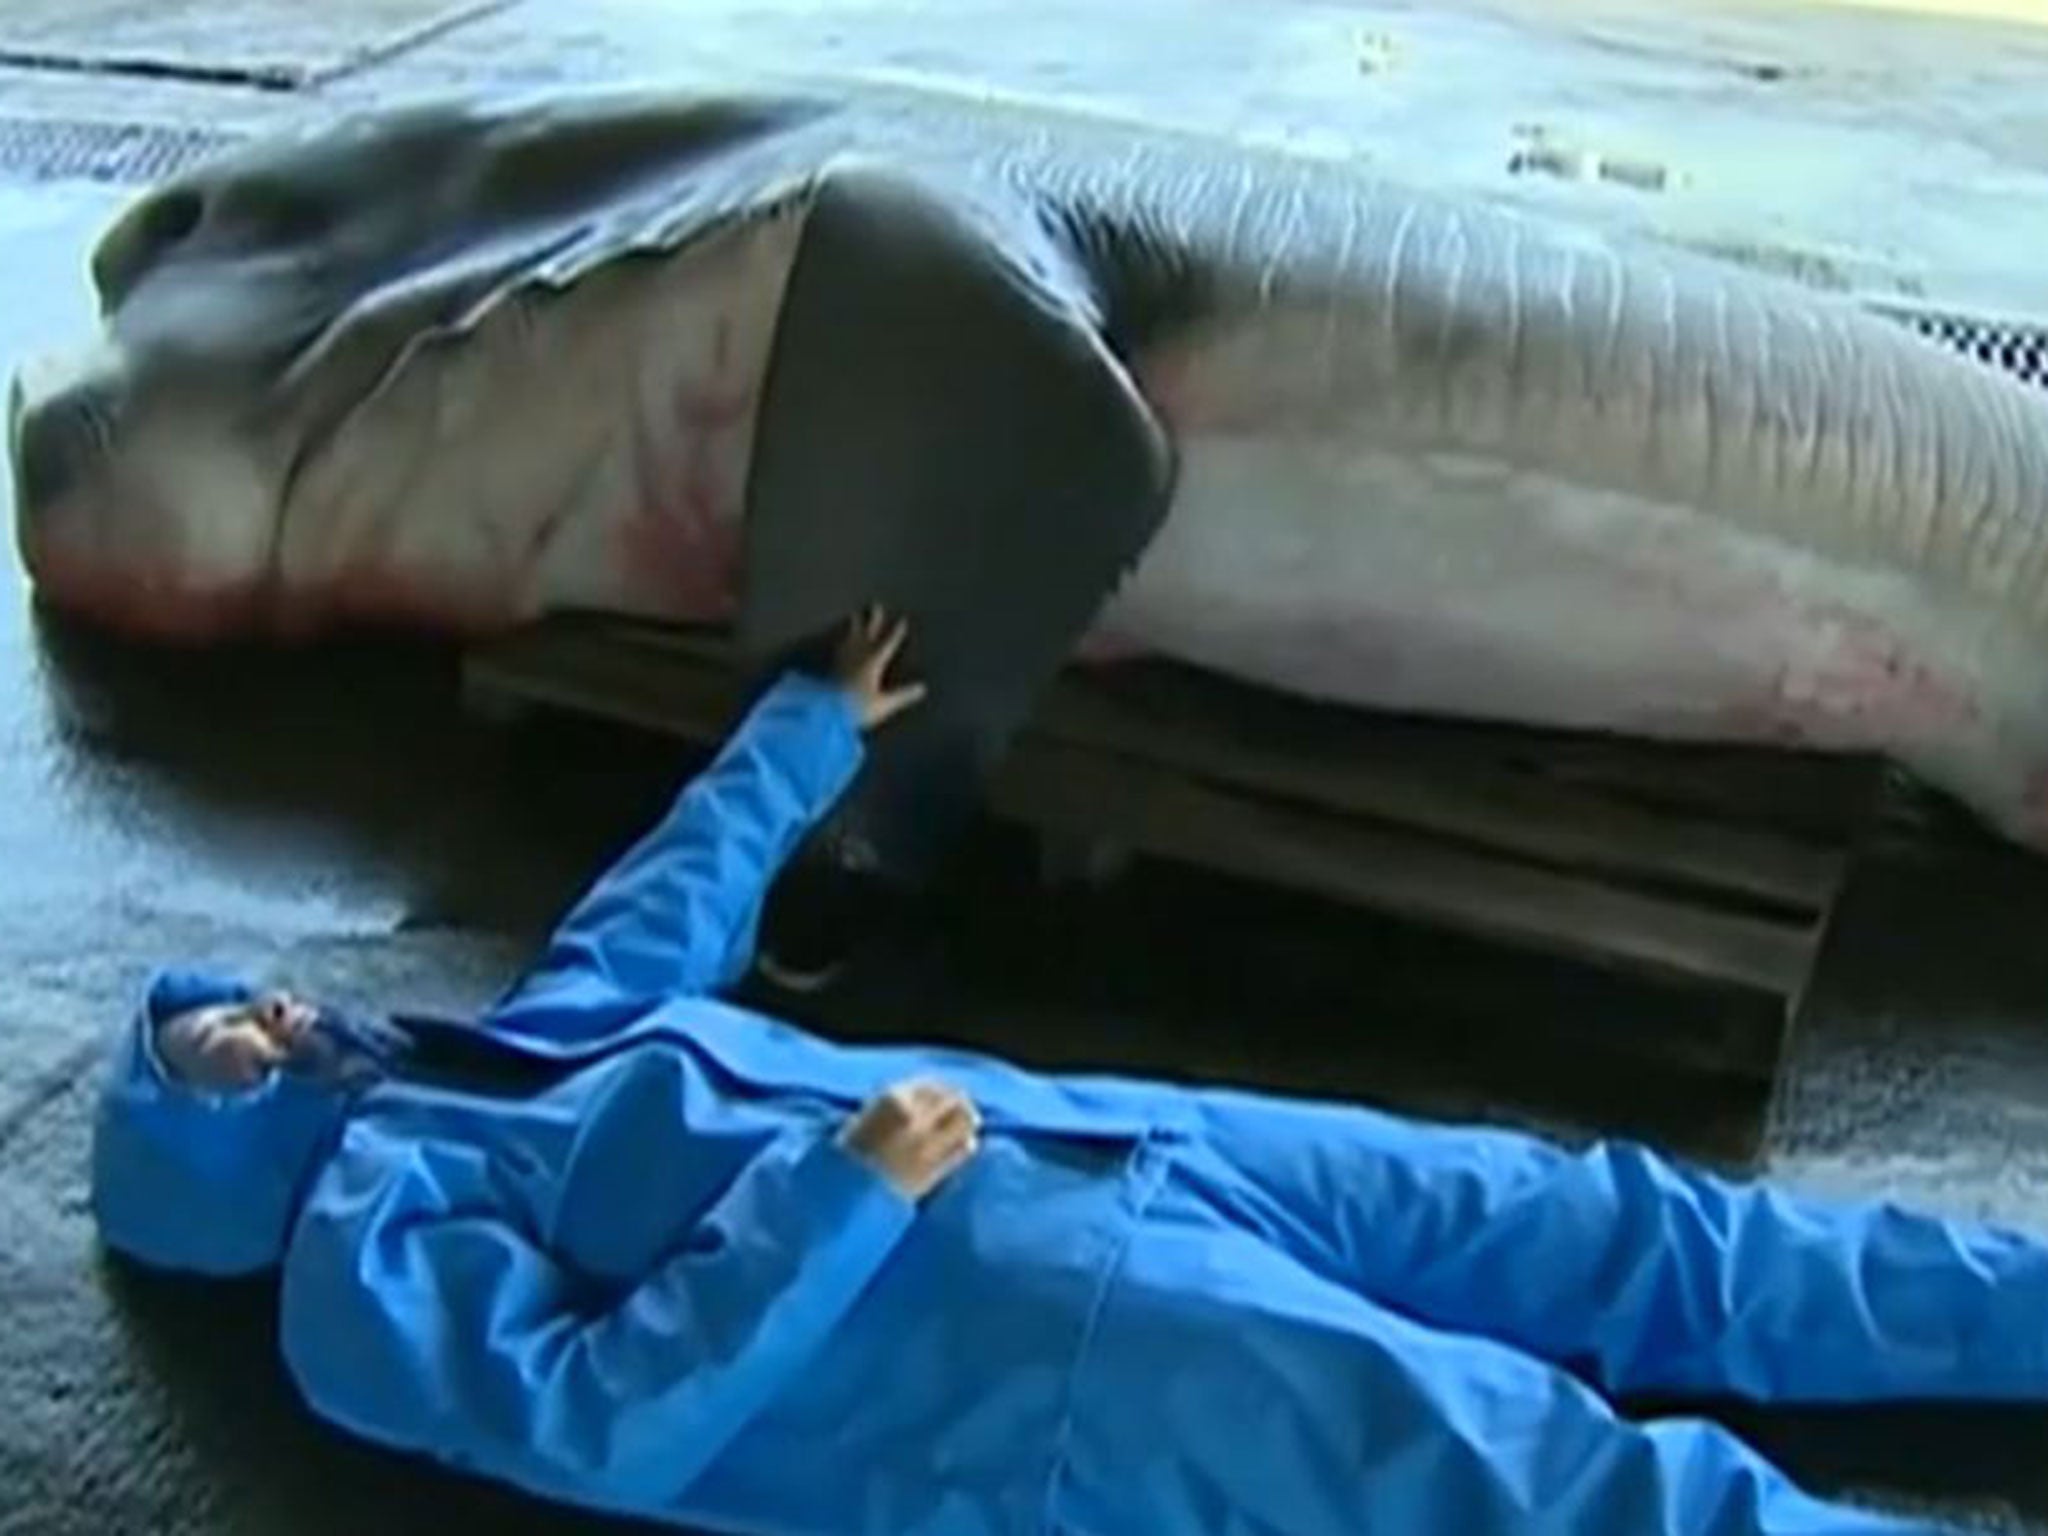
(943, 430)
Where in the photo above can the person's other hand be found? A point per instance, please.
(915, 1134)
(862, 663)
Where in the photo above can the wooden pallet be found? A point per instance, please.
(1710, 867)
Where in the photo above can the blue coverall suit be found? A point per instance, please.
(657, 1285)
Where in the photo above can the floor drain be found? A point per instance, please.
(2020, 350)
(75, 149)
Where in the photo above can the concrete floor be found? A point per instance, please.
(329, 818)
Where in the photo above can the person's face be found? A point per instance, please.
(235, 1045)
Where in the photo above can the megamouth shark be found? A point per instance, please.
(1061, 390)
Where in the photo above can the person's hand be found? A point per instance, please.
(862, 663)
(915, 1134)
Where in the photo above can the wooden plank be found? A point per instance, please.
(1088, 770)
(588, 674)
(1812, 796)
(1067, 786)
(1474, 802)
(1355, 770)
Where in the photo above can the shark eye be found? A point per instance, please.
(172, 217)
(267, 211)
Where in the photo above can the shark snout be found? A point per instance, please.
(62, 413)
(56, 442)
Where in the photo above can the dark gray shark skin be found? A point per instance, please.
(1057, 389)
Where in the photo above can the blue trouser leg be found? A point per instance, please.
(1655, 1277)
(1229, 1390)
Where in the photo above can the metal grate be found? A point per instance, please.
(82, 149)
(2021, 350)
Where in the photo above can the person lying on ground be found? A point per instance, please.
(629, 1247)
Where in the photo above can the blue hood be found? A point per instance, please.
(204, 1182)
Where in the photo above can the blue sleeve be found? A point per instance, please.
(451, 1334)
(680, 911)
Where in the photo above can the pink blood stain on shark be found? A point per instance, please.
(1843, 677)
(152, 606)
(1866, 677)
(679, 548)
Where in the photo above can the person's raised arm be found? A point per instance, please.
(679, 912)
